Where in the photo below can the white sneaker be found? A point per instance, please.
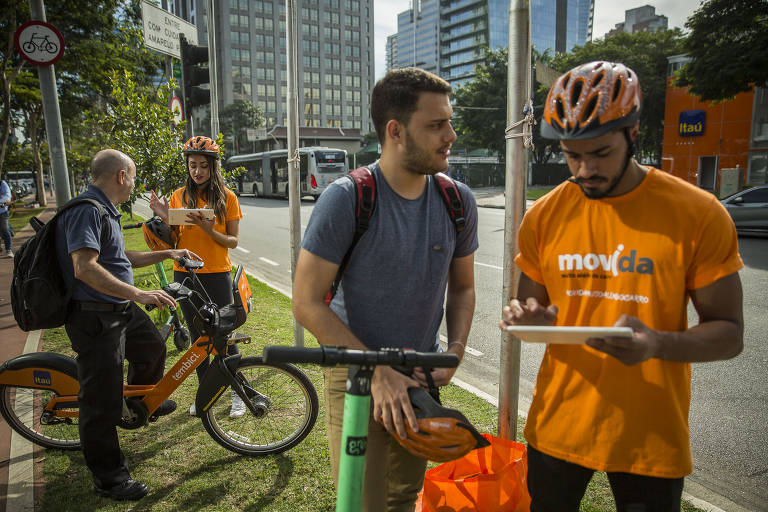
(9, 254)
(192, 410)
(238, 406)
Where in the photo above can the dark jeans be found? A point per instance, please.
(5, 231)
(558, 486)
(219, 288)
(102, 341)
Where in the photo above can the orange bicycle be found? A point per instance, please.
(38, 391)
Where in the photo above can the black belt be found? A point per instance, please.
(100, 306)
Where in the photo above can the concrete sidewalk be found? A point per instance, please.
(20, 478)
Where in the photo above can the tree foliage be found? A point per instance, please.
(646, 53)
(139, 123)
(481, 108)
(728, 41)
(101, 38)
(236, 118)
(11, 66)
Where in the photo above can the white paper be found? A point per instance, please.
(178, 216)
(569, 335)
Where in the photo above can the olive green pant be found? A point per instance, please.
(393, 477)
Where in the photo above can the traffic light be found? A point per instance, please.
(193, 75)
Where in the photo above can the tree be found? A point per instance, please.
(646, 53)
(139, 122)
(27, 102)
(236, 118)
(727, 42)
(11, 65)
(101, 37)
(481, 118)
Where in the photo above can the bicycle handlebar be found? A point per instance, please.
(133, 226)
(332, 356)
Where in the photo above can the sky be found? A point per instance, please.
(607, 14)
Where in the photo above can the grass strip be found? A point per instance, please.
(187, 470)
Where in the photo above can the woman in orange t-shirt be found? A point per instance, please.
(210, 239)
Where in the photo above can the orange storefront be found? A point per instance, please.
(701, 138)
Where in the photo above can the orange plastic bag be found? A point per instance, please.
(488, 479)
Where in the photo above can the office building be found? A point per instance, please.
(335, 63)
(466, 26)
(640, 19)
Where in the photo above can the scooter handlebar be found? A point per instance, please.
(332, 356)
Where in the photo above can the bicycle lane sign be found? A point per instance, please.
(39, 43)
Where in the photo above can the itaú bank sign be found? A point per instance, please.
(691, 123)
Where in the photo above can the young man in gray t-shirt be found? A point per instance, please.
(394, 286)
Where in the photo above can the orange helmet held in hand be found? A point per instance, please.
(202, 146)
(157, 234)
(444, 434)
(591, 100)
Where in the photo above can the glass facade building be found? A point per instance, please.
(559, 25)
(464, 27)
(335, 58)
(418, 36)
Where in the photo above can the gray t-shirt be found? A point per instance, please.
(80, 227)
(393, 289)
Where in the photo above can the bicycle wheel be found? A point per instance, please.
(287, 404)
(29, 47)
(23, 409)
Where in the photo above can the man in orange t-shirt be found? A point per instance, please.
(619, 244)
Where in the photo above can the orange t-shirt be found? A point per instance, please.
(639, 254)
(192, 237)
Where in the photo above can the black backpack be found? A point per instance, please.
(365, 203)
(39, 296)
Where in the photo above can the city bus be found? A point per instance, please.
(267, 172)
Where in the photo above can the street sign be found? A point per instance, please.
(39, 43)
(254, 134)
(177, 110)
(162, 29)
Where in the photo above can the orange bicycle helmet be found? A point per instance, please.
(444, 434)
(202, 146)
(591, 100)
(157, 234)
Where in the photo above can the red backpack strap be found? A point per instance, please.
(365, 203)
(449, 192)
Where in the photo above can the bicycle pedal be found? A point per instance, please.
(238, 337)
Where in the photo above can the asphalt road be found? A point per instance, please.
(728, 415)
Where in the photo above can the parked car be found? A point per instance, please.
(749, 209)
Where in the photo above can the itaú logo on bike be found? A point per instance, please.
(185, 366)
(613, 263)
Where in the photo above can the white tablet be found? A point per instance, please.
(570, 335)
(178, 216)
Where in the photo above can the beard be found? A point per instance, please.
(418, 161)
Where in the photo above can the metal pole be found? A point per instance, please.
(294, 199)
(518, 87)
(50, 97)
(214, 83)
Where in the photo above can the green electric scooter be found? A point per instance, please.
(357, 401)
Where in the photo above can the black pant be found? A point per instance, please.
(219, 288)
(558, 486)
(102, 340)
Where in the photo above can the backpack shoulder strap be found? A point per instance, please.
(103, 214)
(449, 192)
(365, 204)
